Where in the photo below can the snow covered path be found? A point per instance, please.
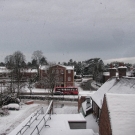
(10, 122)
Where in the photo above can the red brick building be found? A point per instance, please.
(120, 71)
(65, 74)
(29, 73)
(104, 121)
(123, 85)
(117, 115)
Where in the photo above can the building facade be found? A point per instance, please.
(63, 75)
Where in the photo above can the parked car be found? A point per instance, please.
(12, 106)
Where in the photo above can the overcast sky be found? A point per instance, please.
(68, 29)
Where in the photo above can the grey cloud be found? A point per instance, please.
(61, 29)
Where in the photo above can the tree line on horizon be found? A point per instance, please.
(17, 63)
(92, 66)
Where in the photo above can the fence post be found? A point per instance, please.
(38, 130)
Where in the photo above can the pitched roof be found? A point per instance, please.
(121, 109)
(124, 85)
(4, 70)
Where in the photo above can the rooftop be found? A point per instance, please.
(58, 124)
(44, 67)
(86, 93)
(121, 109)
(124, 85)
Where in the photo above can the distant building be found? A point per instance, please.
(4, 73)
(29, 73)
(113, 72)
(65, 74)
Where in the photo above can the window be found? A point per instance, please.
(45, 71)
(69, 71)
(61, 70)
(69, 78)
(61, 78)
(57, 71)
(57, 79)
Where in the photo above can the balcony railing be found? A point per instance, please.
(41, 124)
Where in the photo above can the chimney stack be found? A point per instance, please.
(122, 71)
(112, 72)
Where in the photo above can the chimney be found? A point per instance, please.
(121, 64)
(122, 71)
(112, 72)
(111, 65)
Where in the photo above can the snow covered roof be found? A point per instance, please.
(122, 67)
(4, 70)
(86, 93)
(67, 67)
(106, 73)
(3, 67)
(59, 125)
(112, 68)
(30, 70)
(44, 67)
(124, 85)
(121, 109)
(129, 73)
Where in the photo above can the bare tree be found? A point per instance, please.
(15, 63)
(50, 79)
(30, 84)
(38, 59)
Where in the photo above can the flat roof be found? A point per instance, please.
(59, 125)
(86, 93)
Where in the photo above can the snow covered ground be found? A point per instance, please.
(9, 122)
(93, 84)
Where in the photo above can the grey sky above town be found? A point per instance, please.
(68, 29)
